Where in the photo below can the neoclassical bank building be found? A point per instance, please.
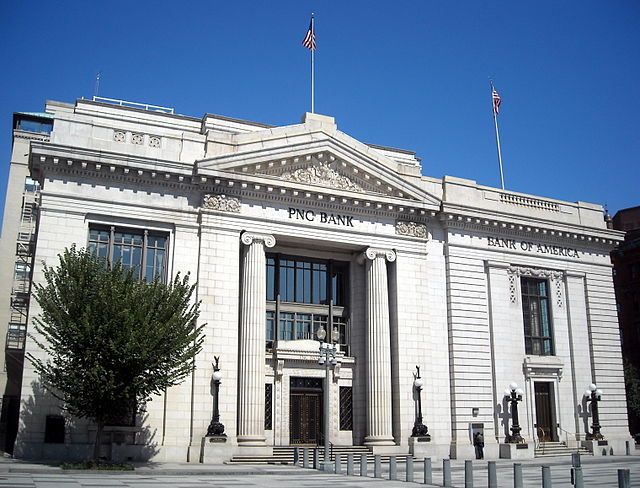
(347, 297)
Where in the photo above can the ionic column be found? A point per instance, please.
(252, 340)
(379, 426)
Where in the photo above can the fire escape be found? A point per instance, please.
(25, 250)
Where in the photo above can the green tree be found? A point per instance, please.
(632, 386)
(112, 340)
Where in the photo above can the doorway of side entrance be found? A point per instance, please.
(545, 412)
(305, 411)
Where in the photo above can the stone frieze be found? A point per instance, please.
(221, 202)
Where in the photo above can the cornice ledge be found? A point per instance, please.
(57, 153)
(538, 231)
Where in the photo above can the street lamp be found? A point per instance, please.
(419, 429)
(216, 429)
(328, 358)
(514, 395)
(594, 395)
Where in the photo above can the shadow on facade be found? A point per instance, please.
(502, 410)
(47, 432)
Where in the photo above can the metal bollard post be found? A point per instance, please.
(409, 466)
(377, 466)
(305, 458)
(393, 468)
(296, 456)
(492, 474)
(624, 478)
(517, 475)
(627, 446)
(576, 477)
(363, 465)
(350, 464)
(546, 477)
(428, 473)
(468, 474)
(338, 463)
(316, 458)
(446, 472)
(575, 460)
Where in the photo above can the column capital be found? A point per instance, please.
(249, 238)
(374, 252)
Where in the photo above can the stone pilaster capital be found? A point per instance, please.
(375, 252)
(249, 238)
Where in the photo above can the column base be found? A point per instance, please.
(251, 440)
(379, 440)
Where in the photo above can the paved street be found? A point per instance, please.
(598, 473)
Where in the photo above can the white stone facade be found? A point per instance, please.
(434, 280)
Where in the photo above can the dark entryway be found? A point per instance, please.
(305, 411)
(545, 419)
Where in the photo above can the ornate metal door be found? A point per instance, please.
(545, 425)
(305, 411)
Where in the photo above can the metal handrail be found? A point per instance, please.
(124, 103)
(566, 437)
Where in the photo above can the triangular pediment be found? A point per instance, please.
(320, 160)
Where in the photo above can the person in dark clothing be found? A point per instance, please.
(478, 442)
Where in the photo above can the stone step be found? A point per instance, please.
(554, 449)
(285, 455)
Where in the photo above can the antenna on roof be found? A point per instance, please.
(97, 88)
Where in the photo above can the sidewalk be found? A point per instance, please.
(9, 465)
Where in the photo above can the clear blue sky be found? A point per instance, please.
(406, 74)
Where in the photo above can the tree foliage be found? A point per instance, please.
(632, 385)
(112, 340)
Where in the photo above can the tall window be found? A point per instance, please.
(304, 294)
(142, 250)
(538, 338)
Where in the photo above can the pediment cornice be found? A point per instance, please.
(147, 173)
(323, 160)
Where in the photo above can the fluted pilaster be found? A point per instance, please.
(379, 426)
(252, 340)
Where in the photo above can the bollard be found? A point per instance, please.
(546, 477)
(446, 472)
(624, 478)
(316, 458)
(305, 458)
(409, 466)
(363, 465)
(338, 463)
(393, 468)
(575, 460)
(377, 466)
(517, 475)
(492, 474)
(468, 474)
(428, 474)
(350, 464)
(611, 452)
(576, 477)
(627, 445)
(296, 456)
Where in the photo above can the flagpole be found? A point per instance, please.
(313, 33)
(495, 123)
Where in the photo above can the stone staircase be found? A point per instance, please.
(554, 449)
(286, 455)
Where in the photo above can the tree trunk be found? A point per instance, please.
(98, 443)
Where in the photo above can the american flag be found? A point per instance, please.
(309, 40)
(496, 102)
